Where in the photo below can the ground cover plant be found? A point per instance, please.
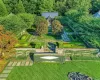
(55, 71)
(3, 64)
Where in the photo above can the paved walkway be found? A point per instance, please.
(11, 65)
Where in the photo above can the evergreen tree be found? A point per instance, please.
(20, 7)
(28, 18)
(60, 6)
(46, 5)
(81, 5)
(11, 5)
(30, 6)
(3, 10)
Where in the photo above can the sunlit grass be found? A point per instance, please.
(55, 71)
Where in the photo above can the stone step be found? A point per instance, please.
(18, 64)
(6, 71)
(23, 63)
(2, 78)
(4, 75)
(31, 63)
(14, 64)
(10, 64)
(8, 68)
(27, 63)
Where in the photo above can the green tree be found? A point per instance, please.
(11, 5)
(7, 42)
(60, 6)
(30, 6)
(95, 5)
(45, 5)
(28, 18)
(38, 19)
(3, 10)
(41, 26)
(56, 27)
(13, 23)
(81, 5)
(20, 7)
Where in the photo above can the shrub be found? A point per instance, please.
(39, 45)
(32, 44)
(26, 45)
(71, 45)
(17, 45)
(24, 37)
(84, 58)
(23, 45)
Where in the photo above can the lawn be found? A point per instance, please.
(55, 71)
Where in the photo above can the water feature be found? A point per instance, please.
(49, 57)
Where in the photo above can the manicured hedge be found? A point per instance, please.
(39, 44)
(23, 45)
(71, 45)
(84, 58)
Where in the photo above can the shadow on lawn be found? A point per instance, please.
(54, 36)
(31, 31)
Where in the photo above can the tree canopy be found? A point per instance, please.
(41, 26)
(3, 9)
(56, 27)
(7, 42)
(61, 6)
(20, 8)
(13, 23)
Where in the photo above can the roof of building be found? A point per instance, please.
(97, 14)
(50, 14)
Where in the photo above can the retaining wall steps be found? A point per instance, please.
(20, 63)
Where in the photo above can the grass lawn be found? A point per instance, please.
(55, 71)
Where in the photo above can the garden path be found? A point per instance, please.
(11, 65)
